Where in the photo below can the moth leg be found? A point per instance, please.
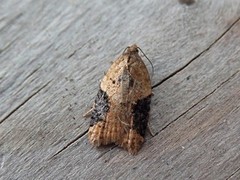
(150, 130)
(124, 123)
(126, 126)
(132, 140)
(89, 112)
(135, 142)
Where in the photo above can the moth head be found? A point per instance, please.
(132, 48)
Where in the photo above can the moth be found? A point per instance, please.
(121, 109)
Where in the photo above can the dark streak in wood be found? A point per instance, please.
(24, 102)
(70, 55)
(187, 2)
(233, 174)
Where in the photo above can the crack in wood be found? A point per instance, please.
(32, 60)
(33, 72)
(201, 53)
(75, 51)
(205, 97)
(233, 174)
(69, 144)
(28, 76)
(24, 102)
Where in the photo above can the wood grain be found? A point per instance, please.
(53, 54)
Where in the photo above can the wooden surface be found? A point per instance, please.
(53, 55)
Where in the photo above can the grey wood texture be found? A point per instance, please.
(53, 55)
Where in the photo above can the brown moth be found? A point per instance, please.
(121, 109)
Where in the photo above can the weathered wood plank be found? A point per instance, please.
(52, 55)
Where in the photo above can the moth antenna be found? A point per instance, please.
(125, 49)
(152, 73)
(148, 61)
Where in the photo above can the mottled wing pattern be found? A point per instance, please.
(121, 109)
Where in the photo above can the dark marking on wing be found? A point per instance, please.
(141, 114)
(101, 107)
